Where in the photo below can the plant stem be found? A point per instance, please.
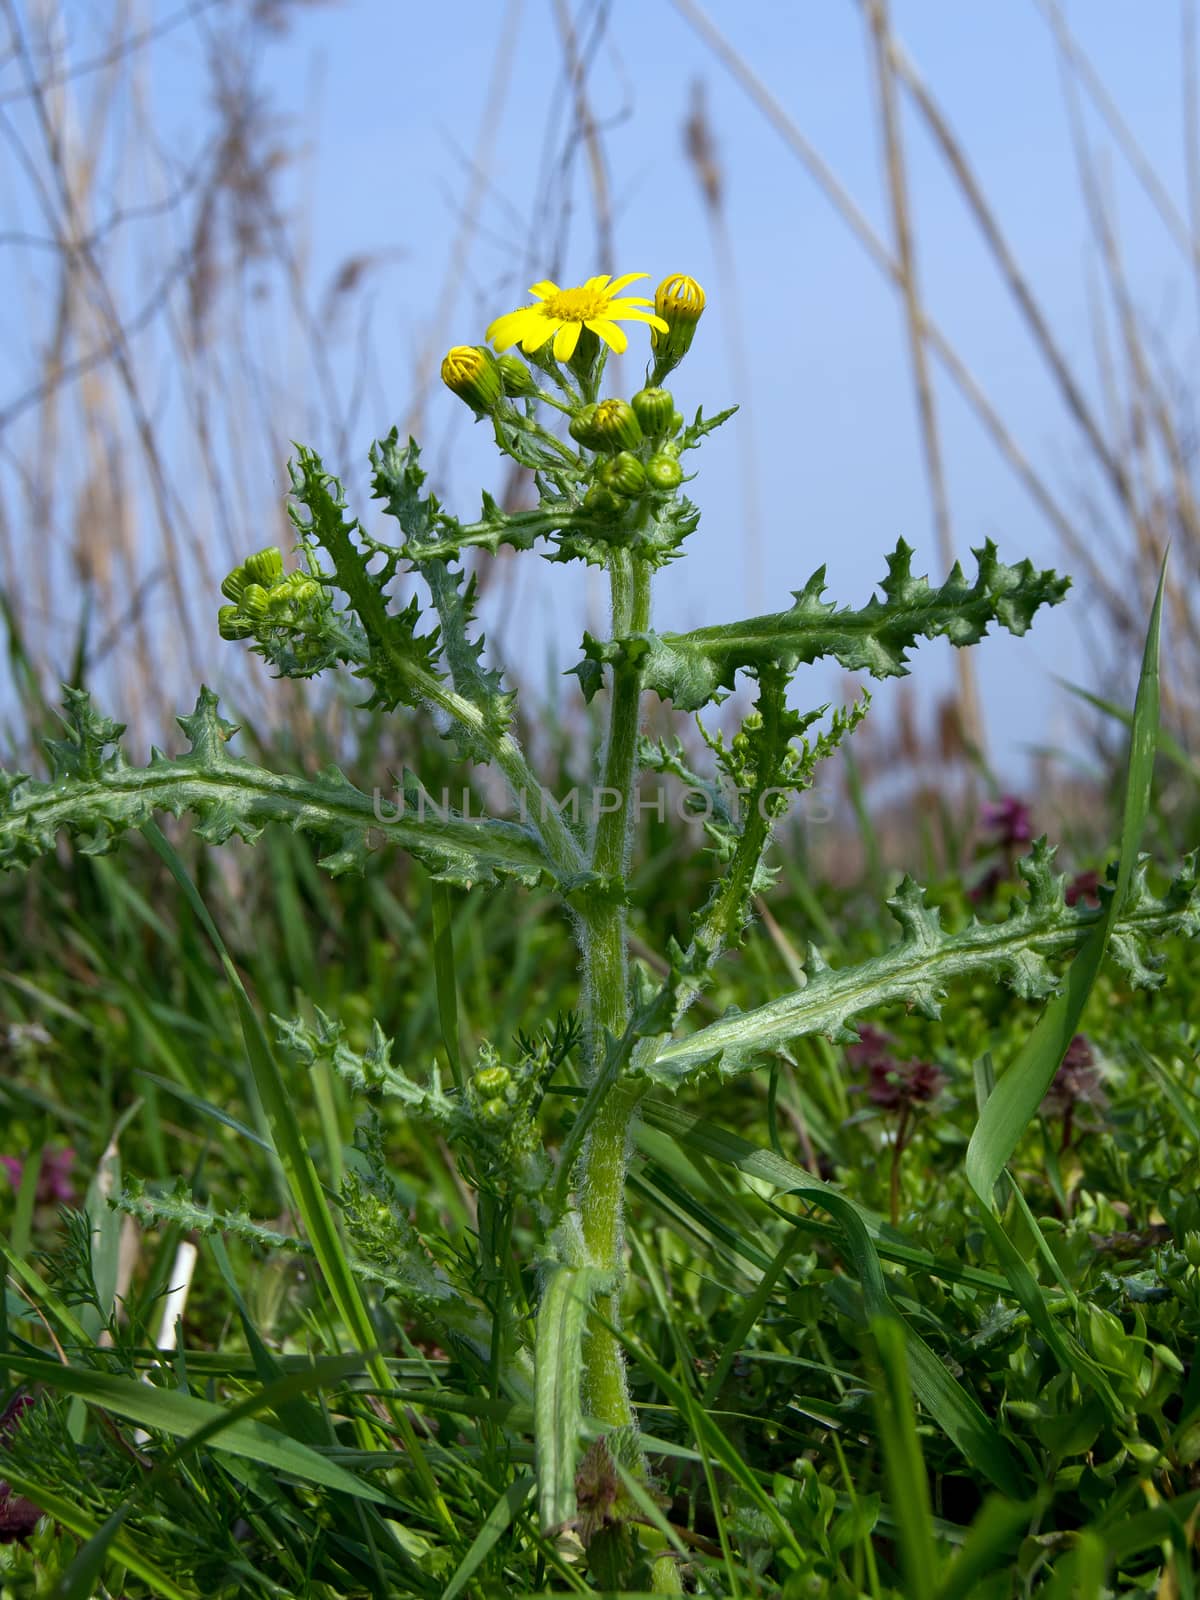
(602, 1185)
(894, 1175)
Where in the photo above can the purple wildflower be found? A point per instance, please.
(54, 1186)
(872, 1045)
(18, 1516)
(1008, 821)
(1084, 886)
(1076, 1083)
(900, 1085)
(892, 1085)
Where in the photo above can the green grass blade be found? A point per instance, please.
(494, 1524)
(908, 1483)
(196, 1420)
(990, 1545)
(1021, 1089)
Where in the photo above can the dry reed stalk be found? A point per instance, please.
(915, 322)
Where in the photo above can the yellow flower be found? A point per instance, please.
(560, 314)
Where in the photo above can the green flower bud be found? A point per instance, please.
(617, 426)
(495, 1112)
(582, 427)
(676, 422)
(255, 603)
(679, 301)
(515, 375)
(491, 1081)
(469, 371)
(231, 624)
(664, 471)
(624, 474)
(654, 409)
(305, 590)
(1191, 1248)
(265, 567)
(234, 583)
(602, 502)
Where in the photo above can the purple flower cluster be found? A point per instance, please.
(18, 1516)
(1008, 821)
(1077, 1082)
(893, 1085)
(54, 1186)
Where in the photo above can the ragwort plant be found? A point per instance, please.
(611, 487)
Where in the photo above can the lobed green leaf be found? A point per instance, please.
(692, 669)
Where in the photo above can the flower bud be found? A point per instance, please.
(491, 1081)
(255, 603)
(233, 584)
(679, 301)
(676, 423)
(582, 427)
(617, 426)
(231, 624)
(624, 474)
(664, 471)
(469, 371)
(1191, 1248)
(305, 590)
(602, 502)
(515, 375)
(495, 1112)
(265, 566)
(654, 409)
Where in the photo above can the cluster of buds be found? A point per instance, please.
(501, 1103)
(265, 598)
(632, 440)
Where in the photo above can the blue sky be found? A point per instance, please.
(390, 97)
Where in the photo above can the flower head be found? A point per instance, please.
(562, 315)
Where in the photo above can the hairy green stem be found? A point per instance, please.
(602, 1185)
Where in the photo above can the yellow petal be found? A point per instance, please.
(630, 277)
(539, 330)
(597, 283)
(544, 289)
(641, 316)
(565, 341)
(616, 308)
(507, 330)
(609, 332)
